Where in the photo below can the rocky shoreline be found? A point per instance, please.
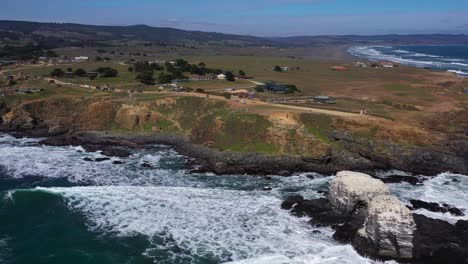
(205, 159)
(346, 151)
(363, 213)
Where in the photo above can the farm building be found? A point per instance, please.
(361, 64)
(221, 76)
(339, 68)
(207, 77)
(81, 59)
(242, 93)
(324, 99)
(387, 64)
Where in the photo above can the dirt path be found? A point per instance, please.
(251, 103)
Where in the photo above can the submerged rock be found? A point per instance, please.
(435, 207)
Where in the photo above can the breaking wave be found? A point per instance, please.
(412, 56)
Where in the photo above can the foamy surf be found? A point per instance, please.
(229, 225)
(419, 56)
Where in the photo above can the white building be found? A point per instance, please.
(221, 76)
(81, 59)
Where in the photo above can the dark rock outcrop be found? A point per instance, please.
(435, 207)
(438, 242)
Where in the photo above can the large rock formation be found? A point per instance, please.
(388, 230)
(379, 225)
(348, 189)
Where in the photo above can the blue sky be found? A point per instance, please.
(256, 17)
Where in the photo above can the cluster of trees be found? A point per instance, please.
(105, 59)
(107, 72)
(26, 52)
(104, 72)
(277, 88)
(171, 71)
(277, 69)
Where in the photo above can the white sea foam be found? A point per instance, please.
(458, 72)
(230, 225)
(401, 51)
(445, 188)
(459, 64)
(410, 58)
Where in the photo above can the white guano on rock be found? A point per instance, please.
(349, 188)
(389, 227)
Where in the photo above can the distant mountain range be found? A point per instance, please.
(65, 34)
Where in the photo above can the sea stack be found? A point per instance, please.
(388, 231)
(364, 213)
(350, 188)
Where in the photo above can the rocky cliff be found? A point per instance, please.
(302, 143)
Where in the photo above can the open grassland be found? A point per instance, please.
(49, 91)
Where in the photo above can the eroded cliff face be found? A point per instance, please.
(212, 123)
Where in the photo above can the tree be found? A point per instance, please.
(164, 78)
(57, 73)
(230, 77)
(99, 58)
(241, 73)
(69, 69)
(147, 78)
(107, 72)
(156, 67)
(142, 66)
(80, 73)
(277, 69)
(51, 54)
(130, 69)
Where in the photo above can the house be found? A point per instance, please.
(221, 76)
(81, 59)
(361, 64)
(387, 64)
(274, 88)
(285, 68)
(242, 93)
(338, 68)
(207, 77)
(323, 99)
(465, 90)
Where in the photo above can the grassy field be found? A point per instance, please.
(384, 92)
(49, 91)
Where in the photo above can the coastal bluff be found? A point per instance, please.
(364, 213)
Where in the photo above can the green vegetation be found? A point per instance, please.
(107, 72)
(230, 77)
(244, 133)
(318, 125)
(147, 78)
(57, 73)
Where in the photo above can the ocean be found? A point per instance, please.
(57, 208)
(446, 58)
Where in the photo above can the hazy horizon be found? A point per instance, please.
(273, 18)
